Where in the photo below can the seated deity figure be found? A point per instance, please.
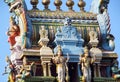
(22, 75)
(93, 36)
(13, 31)
(25, 72)
(43, 36)
(43, 32)
(60, 61)
(86, 60)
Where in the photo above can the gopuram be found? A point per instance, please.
(61, 46)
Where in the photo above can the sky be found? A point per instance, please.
(113, 9)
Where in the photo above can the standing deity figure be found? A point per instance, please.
(60, 61)
(13, 31)
(86, 60)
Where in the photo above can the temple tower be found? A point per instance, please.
(36, 36)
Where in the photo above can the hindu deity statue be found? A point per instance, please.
(60, 61)
(13, 31)
(86, 60)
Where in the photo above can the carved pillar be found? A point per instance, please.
(49, 72)
(44, 69)
(95, 52)
(45, 52)
(79, 73)
(94, 66)
(99, 74)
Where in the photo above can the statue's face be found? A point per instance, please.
(86, 54)
(59, 53)
(43, 27)
(11, 22)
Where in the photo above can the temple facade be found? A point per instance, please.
(61, 46)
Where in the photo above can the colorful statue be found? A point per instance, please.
(13, 31)
(10, 70)
(25, 72)
(86, 60)
(60, 61)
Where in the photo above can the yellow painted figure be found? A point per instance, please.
(11, 70)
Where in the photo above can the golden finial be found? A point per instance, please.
(58, 3)
(81, 4)
(46, 3)
(34, 3)
(70, 4)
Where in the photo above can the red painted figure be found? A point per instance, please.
(13, 31)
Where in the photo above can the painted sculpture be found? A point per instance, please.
(10, 70)
(13, 32)
(60, 61)
(86, 61)
(56, 39)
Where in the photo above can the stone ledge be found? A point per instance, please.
(40, 79)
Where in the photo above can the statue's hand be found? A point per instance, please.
(68, 57)
(82, 68)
